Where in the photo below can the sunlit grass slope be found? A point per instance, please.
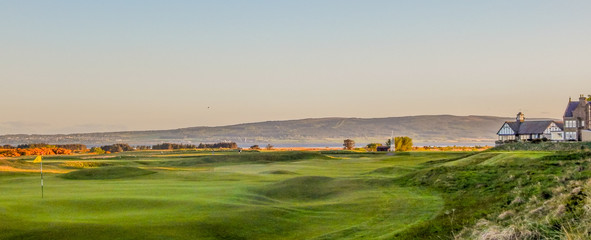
(188, 195)
(507, 195)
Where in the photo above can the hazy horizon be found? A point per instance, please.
(232, 124)
(73, 67)
(278, 120)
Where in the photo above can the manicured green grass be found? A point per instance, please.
(298, 195)
(289, 195)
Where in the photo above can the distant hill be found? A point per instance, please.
(445, 129)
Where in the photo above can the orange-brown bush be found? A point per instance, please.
(33, 151)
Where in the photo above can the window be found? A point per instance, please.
(570, 135)
(571, 124)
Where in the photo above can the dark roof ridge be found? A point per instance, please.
(532, 127)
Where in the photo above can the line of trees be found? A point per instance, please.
(117, 147)
(170, 146)
(73, 147)
(230, 145)
(257, 147)
(47, 149)
(40, 149)
(16, 152)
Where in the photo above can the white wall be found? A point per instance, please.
(586, 136)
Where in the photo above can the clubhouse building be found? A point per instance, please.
(574, 127)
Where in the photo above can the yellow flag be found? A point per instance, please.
(37, 159)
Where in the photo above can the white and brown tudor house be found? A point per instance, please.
(575, 127)
(530, 130)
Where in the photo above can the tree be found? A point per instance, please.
(372, 147)
(403, 144)
(269, 147)
(255, 147)
(349, 144)
(118, 147)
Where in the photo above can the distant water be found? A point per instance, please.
(337, 145)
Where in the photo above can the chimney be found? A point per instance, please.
(582, 99)
(520, 117)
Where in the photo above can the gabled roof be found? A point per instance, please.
(506, 123)
(560, 124)
(514, 126)
(531, 127)
(570, 107)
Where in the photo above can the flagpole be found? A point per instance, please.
(41, 179)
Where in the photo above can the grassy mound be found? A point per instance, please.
(269, 157)
(392, 171)
(18, 163)
(106, 173)
(308, 188)
(279, 172)
(472, 160)
(83, 164)
(492, 197)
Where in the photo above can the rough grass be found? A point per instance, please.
(491, 196)
(106, 173)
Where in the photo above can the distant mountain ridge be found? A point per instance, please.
(424, 128)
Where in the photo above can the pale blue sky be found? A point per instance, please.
(82, 66)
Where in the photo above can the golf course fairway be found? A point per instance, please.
(193, 195)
